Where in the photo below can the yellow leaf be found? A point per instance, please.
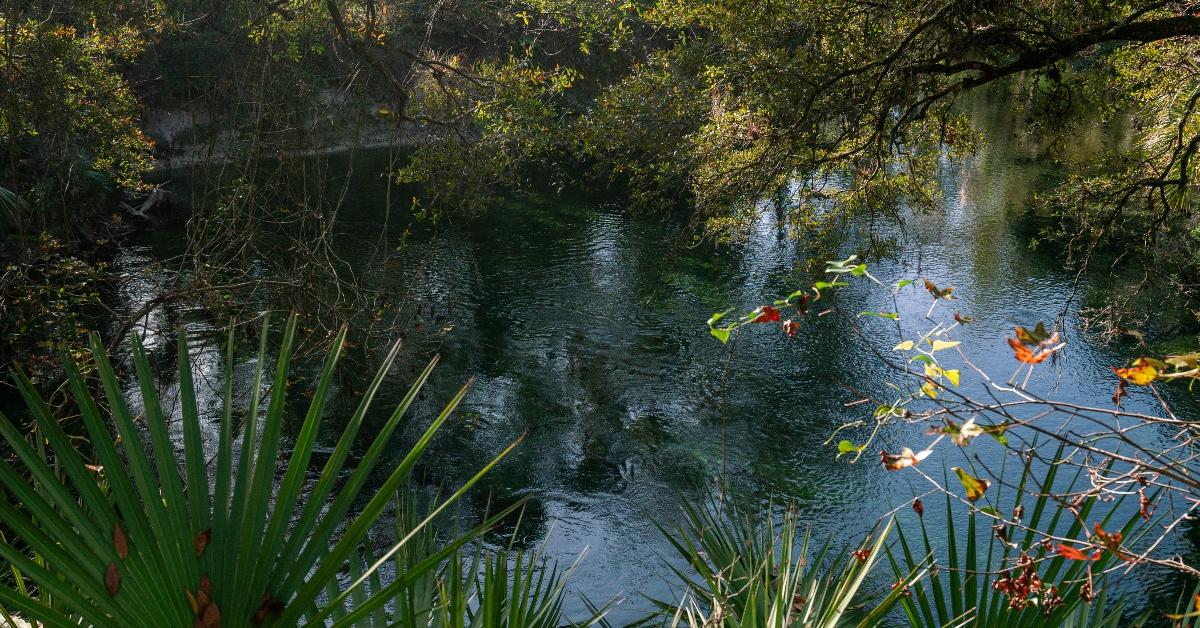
(1141, 373)
(951, 375)
(938, 345)
(975, 486)
(930, 390)
(907, 345)
(932, 371)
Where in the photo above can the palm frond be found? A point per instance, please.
(160, 541)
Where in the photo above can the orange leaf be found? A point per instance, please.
(1043, 350)
(1141, 373)
(1071, 553)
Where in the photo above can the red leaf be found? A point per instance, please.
(802, 306)
(791, 327)
(919, 508)
(767, 314)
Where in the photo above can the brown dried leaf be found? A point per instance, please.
(206, 584)
(270, 607)
(210, 618)
(120, 542)
(112, 579)
(201, 542)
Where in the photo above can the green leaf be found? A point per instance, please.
(847, 447)
(721, 333)
(822, 285)
(997, 432)
(718, 316)
(888, 315)
(904, 283)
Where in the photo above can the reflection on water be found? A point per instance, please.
(584, 331)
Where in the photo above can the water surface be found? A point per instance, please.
(583, 328)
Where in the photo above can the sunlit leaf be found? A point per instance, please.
(930, 390)
(1184, 361)
(847, 447)
(721, 333)
(766, 314)
(906, 458)
(938, 345)
(907, 345)
(1039, 353)
(998, 432)
(822, 285)
(944, 293)
(1032, 337)
(962, 434)
(951, 375)
(974, 486)
(1141, 373)
(1074, 553)
(717, 316)
(889, 315)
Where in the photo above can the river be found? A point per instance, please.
(583, 326)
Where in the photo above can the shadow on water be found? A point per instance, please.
(585, 332)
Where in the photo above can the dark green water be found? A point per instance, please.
(583, 327)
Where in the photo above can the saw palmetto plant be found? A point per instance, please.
(747, 569)
(125, 532)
